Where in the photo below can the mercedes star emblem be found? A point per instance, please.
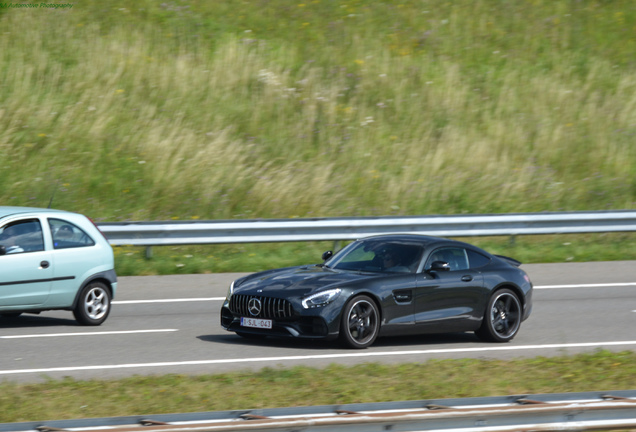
(254, 306)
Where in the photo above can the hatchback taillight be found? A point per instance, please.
(100, 231)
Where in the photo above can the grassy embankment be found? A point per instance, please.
(303, 386)
(202, 110)
(195, 110)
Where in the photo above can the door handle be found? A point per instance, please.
(467, 278)
(44, 264)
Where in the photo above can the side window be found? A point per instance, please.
(67, 235)
(22, 236)
(455, 257)
(475, 259)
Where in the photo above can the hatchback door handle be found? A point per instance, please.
(467, 278)
(44, 264)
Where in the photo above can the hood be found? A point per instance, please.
(296, 281)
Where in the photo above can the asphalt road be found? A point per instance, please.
(170, 324)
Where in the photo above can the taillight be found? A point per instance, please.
(95, 225)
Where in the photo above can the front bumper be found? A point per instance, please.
(310, 326)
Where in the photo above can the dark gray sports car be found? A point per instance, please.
(381, 286)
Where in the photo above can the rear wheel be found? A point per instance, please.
(360, 322)
(93, 305)
(502, 318)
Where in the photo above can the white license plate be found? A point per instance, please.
(256, 323)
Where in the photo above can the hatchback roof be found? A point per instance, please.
(9, 210)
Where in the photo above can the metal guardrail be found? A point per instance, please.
(547, 412)
(336, 229)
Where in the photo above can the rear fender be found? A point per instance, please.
(107, 277)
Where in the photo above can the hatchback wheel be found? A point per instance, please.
(93, 305)
(502, 318)
(360, 323)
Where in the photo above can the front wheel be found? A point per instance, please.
(93, 305)
(502, 318)
(360, 322)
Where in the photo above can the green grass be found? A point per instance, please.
(197, 109)
(304, 386)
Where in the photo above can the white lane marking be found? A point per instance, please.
(204, 299)
(169, 300)
(317, 357)
(87, 333)
(586, 285)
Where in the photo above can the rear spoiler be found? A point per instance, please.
(510, 260)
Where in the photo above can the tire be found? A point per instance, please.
(93, 305)
(502, 318)
(360, 322)
(10, 315)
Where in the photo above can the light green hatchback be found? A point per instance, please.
(54, 259)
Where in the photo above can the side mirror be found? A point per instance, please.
(3, 250)
(439, 266)
(327, 255)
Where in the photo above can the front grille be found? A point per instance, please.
(271, 308)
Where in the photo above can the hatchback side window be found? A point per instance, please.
(67, 235)
(22, 236)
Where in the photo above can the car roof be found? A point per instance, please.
(418, 238)
(10, 210)
(423, 239)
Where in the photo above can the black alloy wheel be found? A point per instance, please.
(502, 318)
(360, 323)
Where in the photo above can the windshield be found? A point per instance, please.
(378, 256)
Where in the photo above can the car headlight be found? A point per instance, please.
(230, 291)
(321, 299)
